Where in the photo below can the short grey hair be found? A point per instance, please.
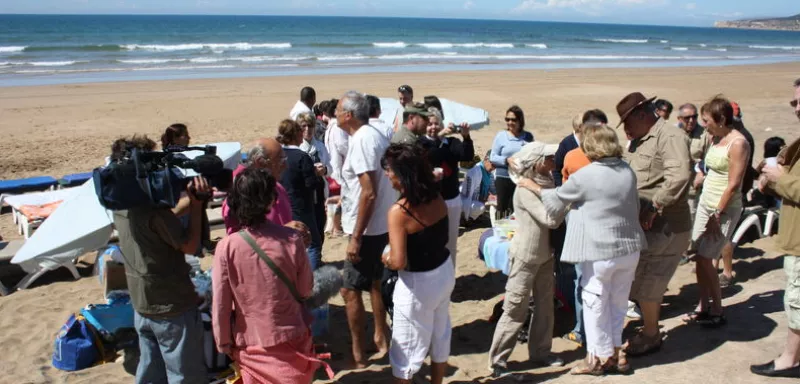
(255, 153)
(435, 112)
(357, 104)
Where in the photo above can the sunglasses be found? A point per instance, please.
(404, 89)
(793, 103)
(510, 119)
(690, 117)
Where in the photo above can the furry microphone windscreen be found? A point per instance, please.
(327, 283)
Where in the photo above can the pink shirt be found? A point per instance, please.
(265, 313)
(281, 212)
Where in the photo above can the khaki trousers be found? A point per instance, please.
(525, 280)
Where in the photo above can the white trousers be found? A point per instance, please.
(421, 321)
(606, 288)
(454, 220)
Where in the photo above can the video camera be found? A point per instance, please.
(154, 178)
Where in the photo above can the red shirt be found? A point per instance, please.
(266, 314)
(280, 214)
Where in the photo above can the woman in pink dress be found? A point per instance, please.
(258, 318)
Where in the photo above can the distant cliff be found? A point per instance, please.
(791, 23)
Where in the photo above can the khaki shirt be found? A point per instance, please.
(404, 136)
(663, 170)
(788, 188)
(699, 143)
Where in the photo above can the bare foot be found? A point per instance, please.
(357, 365)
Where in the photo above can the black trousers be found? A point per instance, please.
(505, 195)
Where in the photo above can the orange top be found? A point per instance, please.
(574, 161)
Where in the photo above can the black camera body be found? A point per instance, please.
(155, 178)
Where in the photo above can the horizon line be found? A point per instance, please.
(353, 17)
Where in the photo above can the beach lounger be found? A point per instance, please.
(26, 223)
(41, 183)
(74, 180)
(244, 158)
(7, 251)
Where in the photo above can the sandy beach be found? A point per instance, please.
(61, 129)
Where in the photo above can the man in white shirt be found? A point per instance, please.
(308, 97)
(375, 114)
(367, 196)
(337, 143)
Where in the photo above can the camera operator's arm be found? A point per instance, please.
(183, 207)
(171, 230)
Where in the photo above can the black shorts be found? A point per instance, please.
(360, 276)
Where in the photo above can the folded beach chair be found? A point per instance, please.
(41, 183)
(74, 180)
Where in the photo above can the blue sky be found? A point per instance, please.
(663, 12)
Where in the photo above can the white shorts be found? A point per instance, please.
(454, 222)
(421, 321)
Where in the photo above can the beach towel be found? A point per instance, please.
(39, 212)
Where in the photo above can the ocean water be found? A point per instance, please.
(42, 49)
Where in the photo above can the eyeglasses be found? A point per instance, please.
(404, 89)
(690, 117)
(511, 119)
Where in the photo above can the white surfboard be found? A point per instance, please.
(454, 112)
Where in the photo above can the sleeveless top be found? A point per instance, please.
(716, 182)
(427, 249)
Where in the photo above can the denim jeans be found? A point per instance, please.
(579, 329)
(314, 256)
(171, 349)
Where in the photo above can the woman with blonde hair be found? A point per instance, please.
(604, 238)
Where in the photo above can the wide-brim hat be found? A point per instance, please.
(629, 103)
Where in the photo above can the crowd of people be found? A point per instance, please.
(608, 220)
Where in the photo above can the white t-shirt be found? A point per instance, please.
(298, 108)
(381, 125)
(367, 146)
(337, 143)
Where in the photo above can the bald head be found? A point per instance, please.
(267, 153)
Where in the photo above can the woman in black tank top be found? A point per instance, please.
(418, 235)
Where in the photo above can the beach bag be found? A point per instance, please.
(74, 348)
(388, 283)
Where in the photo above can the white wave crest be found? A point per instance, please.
(12, 49)
(703, 45)
(212, 46)
(679, 48)
(436, 45)
(664, 41)
(397, 44)
(206, 60)
(623, 41)
(187, 67)
(150, 61)
(784, 47)
(721, 49)
(52, 63)
(540, 46)
(341, 57)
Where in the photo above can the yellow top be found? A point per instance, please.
(718, 164)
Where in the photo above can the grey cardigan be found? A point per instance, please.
(603, 221)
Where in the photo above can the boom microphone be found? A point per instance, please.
(327, 283)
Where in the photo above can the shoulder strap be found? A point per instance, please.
(271, 264)
(412, 215)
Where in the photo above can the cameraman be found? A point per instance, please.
(153, 244)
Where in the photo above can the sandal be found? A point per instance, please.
(623, 367)
(574, 337)
(642, 345)
(725, 281)
(694, 317)
(591, 365)
(713, 321)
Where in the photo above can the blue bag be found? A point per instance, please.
(74, 347)
(107, 319)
